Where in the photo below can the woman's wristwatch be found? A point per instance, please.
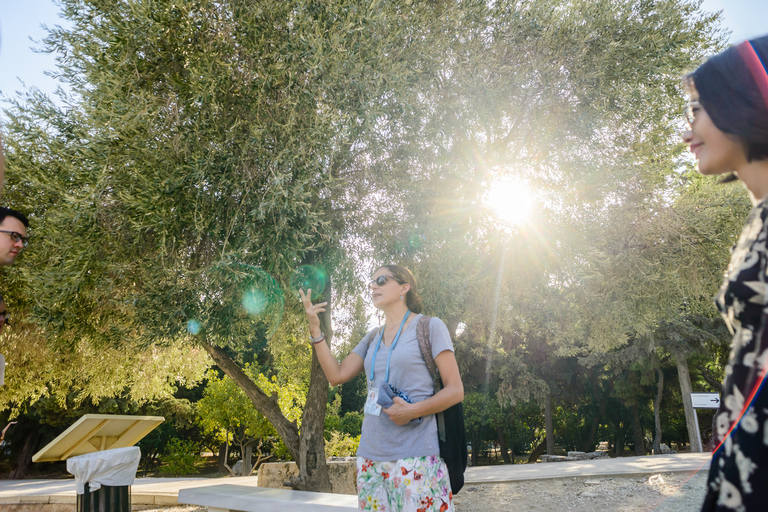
(315, 341)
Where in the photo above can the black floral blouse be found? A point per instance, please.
(738, 477)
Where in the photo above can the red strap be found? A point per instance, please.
(756, 68)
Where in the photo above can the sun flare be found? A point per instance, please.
(511, 200)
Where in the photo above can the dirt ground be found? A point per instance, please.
(177, 509)
(667, 492)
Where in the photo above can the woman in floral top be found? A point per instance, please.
(728, 133)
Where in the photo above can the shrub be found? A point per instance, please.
(341, 445)
(180, 457)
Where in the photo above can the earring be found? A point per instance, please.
(401, 297)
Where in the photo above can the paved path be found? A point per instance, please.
(646, 465)
(164, 491)
(144, 491)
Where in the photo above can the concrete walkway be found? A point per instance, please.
(144, 491)
(164, 491)
(646, 465)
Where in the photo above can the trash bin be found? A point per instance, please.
(103, 479)
(106, 499)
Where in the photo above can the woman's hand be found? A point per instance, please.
(312, 311)
(336, 373)
(452, 393)
(401, 412)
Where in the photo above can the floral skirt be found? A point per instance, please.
(415, 484)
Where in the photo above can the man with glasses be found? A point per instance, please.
(13, 234)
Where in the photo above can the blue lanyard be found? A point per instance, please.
(391, 349)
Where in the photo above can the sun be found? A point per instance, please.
(511, 200)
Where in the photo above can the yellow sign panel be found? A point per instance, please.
(97, 432)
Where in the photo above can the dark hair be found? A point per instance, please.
(402, 275)
(10, 212)
(733, 88)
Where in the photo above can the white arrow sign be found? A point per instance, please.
(705, 400)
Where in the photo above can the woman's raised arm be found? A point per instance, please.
(336, 373)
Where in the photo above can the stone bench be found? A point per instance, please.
(575, 456)
(341, 471)
(242, 498)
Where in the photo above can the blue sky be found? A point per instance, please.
(22, 20)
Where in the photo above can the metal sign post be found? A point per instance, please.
(703, 401)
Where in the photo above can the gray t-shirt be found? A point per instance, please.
(382, 439)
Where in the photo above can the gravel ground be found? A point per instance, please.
(667, 492)
(190, 508)
(672, 492)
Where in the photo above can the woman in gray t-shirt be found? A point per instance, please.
(398, 464)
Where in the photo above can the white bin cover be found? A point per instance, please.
(109, 467)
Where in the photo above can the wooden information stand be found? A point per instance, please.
(98, 432)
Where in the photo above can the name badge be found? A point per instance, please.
(371, 407)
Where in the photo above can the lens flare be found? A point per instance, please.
(194, 327)
(255, 301)
(250, 302)
(416, 240)
(308, 277)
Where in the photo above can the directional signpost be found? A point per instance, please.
(704, 401)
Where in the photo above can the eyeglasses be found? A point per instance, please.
(690, 111)
(15, 237)
(381, 281)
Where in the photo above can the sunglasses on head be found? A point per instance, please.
(381, 281)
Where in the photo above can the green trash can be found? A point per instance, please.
(106, 498)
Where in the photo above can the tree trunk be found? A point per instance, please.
(684, 376)
(502, 445)
(637, 430)
(247, 456)
(656, 409)
(223, 449)
(619, 439)
(475, 448)
(716, 384)
(226, 455)
(589, 444)
(307, 449)
(537, 452)
(25, 457)
(549, 425)
(266, 405)
(260, 457)
(313, 471)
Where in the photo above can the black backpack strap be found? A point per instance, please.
(453, 450)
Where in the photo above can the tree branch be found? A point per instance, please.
(265, 404)
(712, 381)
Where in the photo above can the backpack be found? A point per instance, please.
(451, 433)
